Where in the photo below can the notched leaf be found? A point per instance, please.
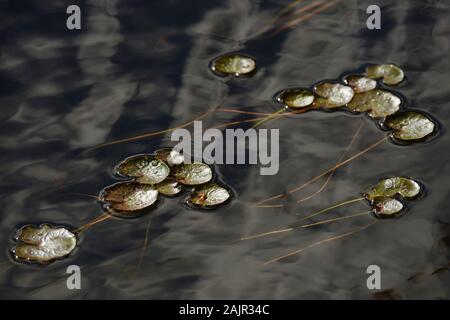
(169, 156)
(378, 103)
(192, 173)
(386, 207)
(129, 196)
(360, 83)
(390, 187)
(410, 126)
(208, 196)
(332, 95)
(43, 244)
(169, 187)
(295, 98)
(145, 168)
(389, 73)
(233, 64)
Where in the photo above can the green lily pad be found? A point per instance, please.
(378, 103)
(208, 195)
(390, 187)
(169, 187)
(192, 173)
(332, 95)
(296, 98)
(385, 207)
(130, 196)
(360, 83)
(169, 156)
(390, 73)
(145, 168)
(43, 244)
(233, 64)
(410, 125)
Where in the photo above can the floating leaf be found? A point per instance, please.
(169, 187)
(145, 168)
(130, 196)
(390, 73)
(410, 125)
(43, 244)
(360, 83)
(390, 187)
(192, 173)
(385, 207)
(378, 103)
(209, 195)
(234, 64)
(169, 156)
(332, 95)
(296, 98)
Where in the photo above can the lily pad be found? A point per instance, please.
(332, 95)
(145, 168)
(378, 103)
(130, 196)
(385, 207)
(169, 156)
(390, 73)
(410, 125)
(233, 64)
(43, 244)
(296, 98)
(208, 195)
(192, 173)
(390, 187)
(360, 83)
(169, 187)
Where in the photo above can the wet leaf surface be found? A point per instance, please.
(169, 156)
(410, 125)
(385, 207)
(208, 195)
(145, 168)
(389, 73)
(130, 196)
(378, 103)
(296, 98)
(169, 187)
(360, 83)
(43, 244)
(332, 95)
(192, 173)
(390, 187)
(233, 64)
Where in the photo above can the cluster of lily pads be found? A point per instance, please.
(164, 172)
(359, 93)
(387, 198)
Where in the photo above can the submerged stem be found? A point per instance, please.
(341, 236)
(340, 204)
(93, 222)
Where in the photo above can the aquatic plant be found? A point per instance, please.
(235, 64)
(164, 172)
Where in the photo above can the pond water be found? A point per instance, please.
(140, 66)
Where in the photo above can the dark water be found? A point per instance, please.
(140, 66)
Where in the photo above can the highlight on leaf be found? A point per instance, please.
(235, 64)
(43, 244)
(377, 103)
(390, 187)
(332, 95)
(169, 187)
(130, 196)
(192, 173)
(169, 156)
(386, 207)
(360, 83)
(295, 98)
(208, 196)
(410, 126)
(145, 168)
(389, 73)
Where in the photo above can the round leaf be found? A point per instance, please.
(390, 73)
(130, 196)
(192, 173)
(208, 195)
(233, 64)
(169, 156)
(43, 244)
(385, 207)
(360, 83)
(169, 187)
(390, 187)
(378, 103)
(332, 95)
(145, 168)
(296, 98)
(410, 125)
